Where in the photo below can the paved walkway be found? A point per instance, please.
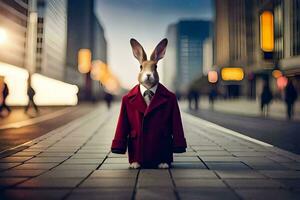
(74, 162)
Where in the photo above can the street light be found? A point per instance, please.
(3, 35)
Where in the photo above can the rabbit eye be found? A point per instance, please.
(141, 67)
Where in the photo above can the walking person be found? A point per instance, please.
(290, 98)
(108, 99)
(5, 93)
(266, 98)
(212, 95)
(30, 94)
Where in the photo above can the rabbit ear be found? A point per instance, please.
(138, 51)
(159, 50)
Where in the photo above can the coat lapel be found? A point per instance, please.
(136, 99)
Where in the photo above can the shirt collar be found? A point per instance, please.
(143, 89)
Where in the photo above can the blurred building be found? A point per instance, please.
(51, 38)
(170, 65)
(237, 43)
(13, 26)
(84, 32)
(186, 40)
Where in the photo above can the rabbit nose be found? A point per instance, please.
(148, 75)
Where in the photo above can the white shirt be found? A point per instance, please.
(143, 89)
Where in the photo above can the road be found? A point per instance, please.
(11, 137)
(281, 133)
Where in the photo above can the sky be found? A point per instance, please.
(146, 21)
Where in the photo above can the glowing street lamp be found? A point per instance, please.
(3, 35)
(84, 61)
(267, 31)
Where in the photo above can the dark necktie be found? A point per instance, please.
(148, 93)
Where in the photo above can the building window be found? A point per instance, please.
(278, 29)
(295, 28)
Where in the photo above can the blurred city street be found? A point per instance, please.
(69, 68)
(74, 162)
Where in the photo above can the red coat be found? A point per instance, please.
(150, 133)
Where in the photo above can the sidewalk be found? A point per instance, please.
(246, 107)
(74, 162)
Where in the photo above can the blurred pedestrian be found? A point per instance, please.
(266, 98)
(290, 98)
(5, 93)
(108, 99)
(31, 94)
(193, 97)
(212, 96)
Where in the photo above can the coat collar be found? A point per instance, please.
(135, 98)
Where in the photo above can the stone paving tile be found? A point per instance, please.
(21, 173)
(199, 183)
(65, 166)
(188, 165)
(54, 154)
(25, 154)
(33, 194)
(284, 174)
(249, 174)
(4, 166)
(253, 183)
(206, 194)
(57, 173)
(116, 160)
(88, 156)
(290, 183)
(161, 182)
(220, 158)
(262, 194)
(193, 173)
(280, 159)
(291, 165)
(7, 182)
(50, 183)
(13, 159)
(266, 166)
(31, 166)
(84, 161)
(108, 183)
(214, 153)
(46, 160)
(101, 193)
(154, 173)
(116, 166)
(226, 165)
(187, 159)
(155, 193)
(114, 174)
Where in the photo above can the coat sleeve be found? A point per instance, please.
(119, 143)
(179, 142)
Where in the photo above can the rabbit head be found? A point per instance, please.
(148, 75)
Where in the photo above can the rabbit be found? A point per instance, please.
(163, 135)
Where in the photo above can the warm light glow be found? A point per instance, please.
(3, 35)
(276, 73)
(53, 92)
(16, 79)
(212, 76)
(48, 91)
(84, 60)
(99, 69)
(112, 84)
(232, 74)
(267, 31)
(282, 82)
